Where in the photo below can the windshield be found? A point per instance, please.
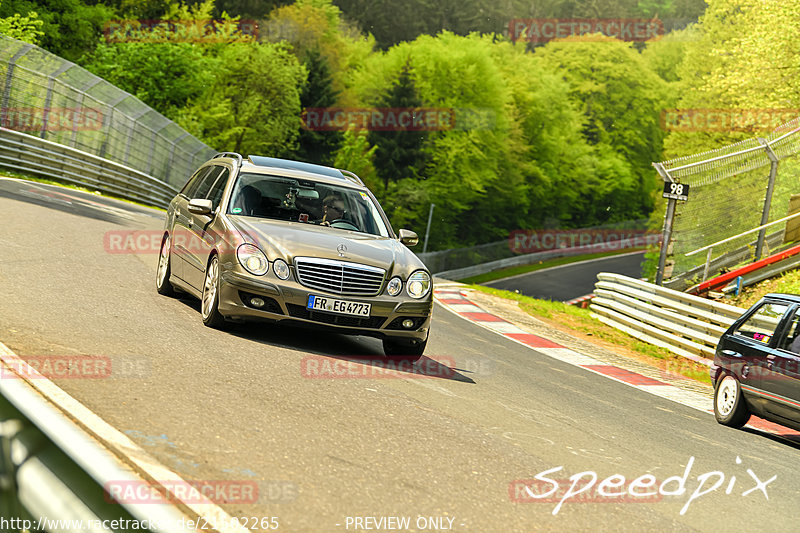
(309, 202)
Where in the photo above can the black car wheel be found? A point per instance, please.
(210, 302)
(163, 286)
(404, 350)
(730, 408)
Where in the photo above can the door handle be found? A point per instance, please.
(731, 353)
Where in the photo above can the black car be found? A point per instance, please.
(756, 367)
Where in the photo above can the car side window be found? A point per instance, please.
(191, 186)
(791, 342)
(215, 194)
(762, 324)
(204, 185)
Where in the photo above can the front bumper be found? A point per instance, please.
(286, 302)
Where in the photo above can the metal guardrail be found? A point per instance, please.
(687, 325)
(53, 474)
(26, 153)
(724, 261)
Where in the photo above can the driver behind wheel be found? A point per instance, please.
(333, 209)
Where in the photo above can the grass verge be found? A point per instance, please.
(524, 269)
(788, 282)
(579, 323)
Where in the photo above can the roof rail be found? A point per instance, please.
(233, 155)
(351, 176)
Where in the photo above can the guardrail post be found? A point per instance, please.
(773, 171)
(9, 504)
(666, 235)
(708, 263)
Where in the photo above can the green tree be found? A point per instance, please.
(318, 92)
(253, 102)
(23, 28)
(622, 100)
(165, 76)
(399, 154)
(71, 28)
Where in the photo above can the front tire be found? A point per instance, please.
(209, 305)
(404, 350)
(163, 285)
(730, 408)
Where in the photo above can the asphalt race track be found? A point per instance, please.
(444, 444)
(565, 282)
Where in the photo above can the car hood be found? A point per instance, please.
(278, 238)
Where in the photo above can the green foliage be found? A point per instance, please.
(399, 154)
(253, 102)
(70, 27)
(622, 100)
(318, 92)
(27, 28)
(165, 76)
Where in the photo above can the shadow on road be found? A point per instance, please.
(334, 355)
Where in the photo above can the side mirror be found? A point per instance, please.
(200, 206)
(408, 237)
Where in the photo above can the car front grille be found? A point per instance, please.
(339, 277)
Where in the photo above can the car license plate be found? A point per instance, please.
(333, 305)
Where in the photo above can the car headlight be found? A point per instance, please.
(395, 286)
(419, 284)
(280, 268)
(252, 259)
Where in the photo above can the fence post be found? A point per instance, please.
(773, 171)
(666, 234)
(428, 229)
(10, 81)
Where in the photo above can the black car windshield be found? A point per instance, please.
(310, 202)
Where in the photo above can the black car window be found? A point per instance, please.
(191, 185)
(215, 194)
(762, 324)
(791, 342)
(204, 184)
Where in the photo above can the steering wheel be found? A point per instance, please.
(343, 224)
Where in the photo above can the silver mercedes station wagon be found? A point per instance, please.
(285, 241)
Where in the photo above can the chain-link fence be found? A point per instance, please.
(53, 99)
(527, 246)
(732, 190)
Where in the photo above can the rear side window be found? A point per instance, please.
(791, 342)
(191, 186)
(762, 324)
(205, 183)
(215, 194)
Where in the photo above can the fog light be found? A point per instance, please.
(257, 302)
(408, 323)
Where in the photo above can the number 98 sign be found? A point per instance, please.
(678, 191)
